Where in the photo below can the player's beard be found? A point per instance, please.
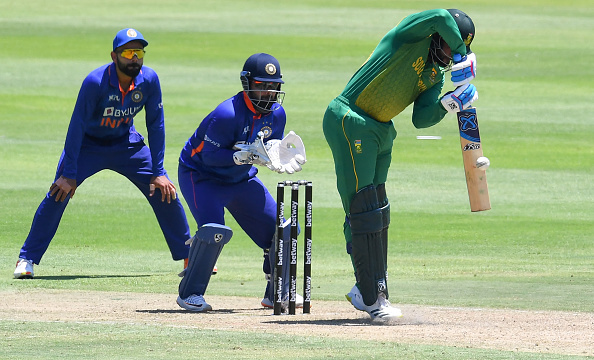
(131, 70)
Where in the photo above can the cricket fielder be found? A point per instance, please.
(407, 67)
(216, 172)
(102, 136)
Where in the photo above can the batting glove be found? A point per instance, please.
(464, 69)
(460, 99)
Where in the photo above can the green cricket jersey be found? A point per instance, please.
(396, 74)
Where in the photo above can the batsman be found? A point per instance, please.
(407, 67)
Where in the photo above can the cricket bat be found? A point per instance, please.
(476, 178)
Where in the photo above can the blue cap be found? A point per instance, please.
(124, 36)
(263, 67)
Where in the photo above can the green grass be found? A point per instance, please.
(533, 250)
(114, 341)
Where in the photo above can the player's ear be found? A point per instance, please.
(113, 56)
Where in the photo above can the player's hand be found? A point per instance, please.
(287, 155)
(168, 191)
(254, 153)
(460, 99)
(63, 186)
(464, 69)
(246, 157)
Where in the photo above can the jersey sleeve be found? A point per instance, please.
(427, 109)
(155, 125)
(219, 137)
(82, 113)
(418, 26)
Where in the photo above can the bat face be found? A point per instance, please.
(470, 142)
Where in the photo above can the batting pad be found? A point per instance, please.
(385, 208)
(204, 252)
(366, 222)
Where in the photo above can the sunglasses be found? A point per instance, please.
(129, 53)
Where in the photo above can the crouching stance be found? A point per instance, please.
(216, 173)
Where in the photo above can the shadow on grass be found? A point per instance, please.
(182, 311)
(75, 277)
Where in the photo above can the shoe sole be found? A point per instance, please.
(190, 307)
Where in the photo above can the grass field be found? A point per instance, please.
(532, 251)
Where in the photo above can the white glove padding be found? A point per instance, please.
(288, 154)
(254, 153)
(460, 99)
(248, 158)
(464, 69)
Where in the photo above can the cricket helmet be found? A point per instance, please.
(465, 25)
(261, 80)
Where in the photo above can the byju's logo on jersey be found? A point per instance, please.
(112, 111)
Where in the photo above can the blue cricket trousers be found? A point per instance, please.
(249, 202)
(132, 160)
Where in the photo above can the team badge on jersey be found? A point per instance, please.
(136, 96)
(358, 147)
(267, 131)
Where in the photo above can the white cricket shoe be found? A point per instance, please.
(194, 303)
(24, 269)
(268, 303)
(382, 310)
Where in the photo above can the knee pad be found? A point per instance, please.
(366, 222)
(206, 247)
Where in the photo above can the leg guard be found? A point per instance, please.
(271, 262)
(368, 254)
(385, 208)
(206, 247)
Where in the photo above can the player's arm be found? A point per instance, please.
(155, 124)
(221, 133)
(418, 26)
(83, 111)
(427, 109)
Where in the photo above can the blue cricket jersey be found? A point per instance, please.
(209, 152)
(104, 115)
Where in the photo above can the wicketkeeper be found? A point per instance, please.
(216, 172)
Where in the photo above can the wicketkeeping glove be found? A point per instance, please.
(460, 99)
(288, 154)
(464, 69)
(254, 153)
